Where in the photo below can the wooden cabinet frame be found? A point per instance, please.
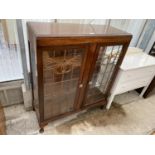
(96, 47)
(91, 45)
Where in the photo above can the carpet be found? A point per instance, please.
(2, 121)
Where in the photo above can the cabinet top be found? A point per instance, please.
(41, 29)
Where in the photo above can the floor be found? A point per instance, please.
(129, 115)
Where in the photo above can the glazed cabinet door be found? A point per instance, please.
(62, 74)
(102, 73)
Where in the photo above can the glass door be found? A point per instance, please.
(62, 70)
(103, 69)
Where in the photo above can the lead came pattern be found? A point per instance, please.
(61, 73)
(61, 65)
(104, 68)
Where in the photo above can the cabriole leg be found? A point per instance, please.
(42, 125)
(41, 130)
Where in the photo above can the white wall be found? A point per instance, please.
(83, 21)
(133, 26)
(147, 37)
(152, 40)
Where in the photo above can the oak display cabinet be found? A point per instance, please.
(73, 66)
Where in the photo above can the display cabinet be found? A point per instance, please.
(73, 66)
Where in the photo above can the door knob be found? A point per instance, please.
(81, 85)
(90, 82)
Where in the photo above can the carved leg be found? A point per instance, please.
(41, 130)
(42, 125)
(33, 108)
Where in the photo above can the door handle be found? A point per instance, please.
(81, 85)
(90, 82)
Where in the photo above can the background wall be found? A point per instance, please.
(150, 43)
(147, 34)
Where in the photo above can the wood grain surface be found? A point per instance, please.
(2, 121)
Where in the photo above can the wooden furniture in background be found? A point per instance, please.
(2, 121)
(152, 51)
(73, 66)
(136, 71)
(152, 84)
(150, 88)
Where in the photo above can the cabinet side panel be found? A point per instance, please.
(33, 67)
